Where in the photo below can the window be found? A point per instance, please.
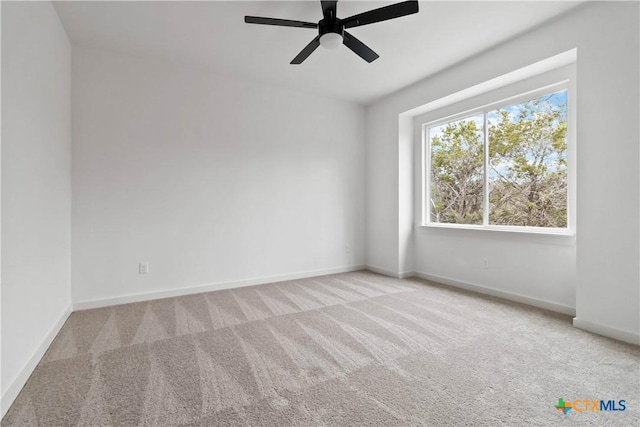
(501, 166)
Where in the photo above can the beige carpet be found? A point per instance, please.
(348, 349)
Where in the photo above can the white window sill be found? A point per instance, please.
(542, 235)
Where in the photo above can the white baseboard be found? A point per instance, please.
(390, 273)
(105, 302)
(607, 331)
(21, 379)
(406, 274)
(536, 302)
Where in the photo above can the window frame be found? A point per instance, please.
(563, 84)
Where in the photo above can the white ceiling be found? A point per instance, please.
(213, 34)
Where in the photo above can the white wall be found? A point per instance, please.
(599, 275)
(608, 292)
(36, 186)
(209, 179)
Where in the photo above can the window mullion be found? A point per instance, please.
(426, 181)
(485, 185)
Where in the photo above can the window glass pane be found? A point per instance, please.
(528, 163)
(456, 173)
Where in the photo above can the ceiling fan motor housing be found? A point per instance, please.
(333, 25)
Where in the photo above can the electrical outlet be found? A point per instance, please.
(485, 263)
(143, 267)
(347, 248)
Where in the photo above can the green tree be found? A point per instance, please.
(527, 165)
(457, 155)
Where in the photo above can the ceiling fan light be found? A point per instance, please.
(331, 40)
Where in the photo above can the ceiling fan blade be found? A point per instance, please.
(361, 49)
(329, 9)
(382, 14)
(308, 50)
(279, 22)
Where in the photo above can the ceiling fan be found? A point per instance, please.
(331, 29)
